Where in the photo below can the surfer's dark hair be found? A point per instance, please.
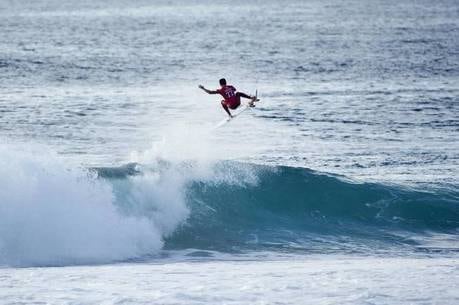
(222, 81)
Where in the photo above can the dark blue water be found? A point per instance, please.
(363, 89)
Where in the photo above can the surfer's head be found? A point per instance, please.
(222, 82)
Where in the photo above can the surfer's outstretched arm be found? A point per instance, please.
(208, 91)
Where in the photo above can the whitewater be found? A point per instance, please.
(340, 187)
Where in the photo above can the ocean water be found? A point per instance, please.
(340, 187)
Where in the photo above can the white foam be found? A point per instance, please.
(53, 214)
(310, 280)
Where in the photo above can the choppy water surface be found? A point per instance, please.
(109, 154)
(361, 89)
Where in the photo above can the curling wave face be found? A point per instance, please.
(246, 207)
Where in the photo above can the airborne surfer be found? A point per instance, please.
(232, 98)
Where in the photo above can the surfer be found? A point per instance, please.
(232, 98)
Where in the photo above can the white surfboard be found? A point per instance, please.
(235, 115)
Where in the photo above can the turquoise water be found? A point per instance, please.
(241, 207)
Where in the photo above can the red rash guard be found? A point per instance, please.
(229, 94)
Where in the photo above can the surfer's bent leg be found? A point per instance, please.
(252, 98)
(239, 94)
(226, 108)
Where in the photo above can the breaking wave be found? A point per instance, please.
(55, 214)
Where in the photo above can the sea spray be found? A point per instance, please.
(55, 214)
